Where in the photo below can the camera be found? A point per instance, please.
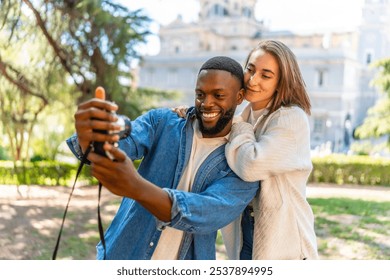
(124, 131)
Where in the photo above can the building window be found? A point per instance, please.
(219, 10)
(320, 77)
(246, 12)
(177, 46)
(368, 58)
(318, 126)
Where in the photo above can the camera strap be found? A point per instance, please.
(100, 225)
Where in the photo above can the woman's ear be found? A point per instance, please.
(240, 96)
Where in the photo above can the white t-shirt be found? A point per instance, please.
(170, 240)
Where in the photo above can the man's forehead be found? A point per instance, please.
(205, 72)
(218, 76)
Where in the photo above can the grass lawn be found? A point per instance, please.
(346, 229)
(352, 229)
(349, 229)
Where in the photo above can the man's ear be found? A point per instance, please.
(240, 96)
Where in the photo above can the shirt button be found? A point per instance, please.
(151, 244)
(252, 214)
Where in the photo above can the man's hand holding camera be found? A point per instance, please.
(116, 173)
(92, 115)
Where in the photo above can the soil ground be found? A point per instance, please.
(30, 216)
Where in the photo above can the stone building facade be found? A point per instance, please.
(335, 66)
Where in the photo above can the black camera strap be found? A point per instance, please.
(100, 225)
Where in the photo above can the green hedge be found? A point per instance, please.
(47, 173)
(336, 169)
(358, 170)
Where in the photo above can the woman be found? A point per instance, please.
(272, 144)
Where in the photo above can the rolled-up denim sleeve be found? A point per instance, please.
(74, 146)
(218, 205)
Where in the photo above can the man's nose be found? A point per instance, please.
(208, 101)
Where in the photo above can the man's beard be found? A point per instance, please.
(221, 123)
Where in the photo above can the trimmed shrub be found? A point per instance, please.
(357, 170)
(335, 169)
(47, 173)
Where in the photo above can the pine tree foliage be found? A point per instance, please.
(58, 52)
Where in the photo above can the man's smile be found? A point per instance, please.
(208, 116)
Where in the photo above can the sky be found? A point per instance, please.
(300, 16)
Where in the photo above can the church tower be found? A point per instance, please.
(374, 44)
(374, 31)
(230, 17)
(222, 26)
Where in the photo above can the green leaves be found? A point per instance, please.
(54, 53)
(377, 122)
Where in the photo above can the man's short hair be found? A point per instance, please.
(227, 64)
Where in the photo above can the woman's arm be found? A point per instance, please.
(284, 146)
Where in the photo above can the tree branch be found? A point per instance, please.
(21, 82)
(61, 53)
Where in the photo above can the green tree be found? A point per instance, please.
(95, 41)
(377, 122)
(28, 76)
(59, 51)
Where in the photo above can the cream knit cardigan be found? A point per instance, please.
(278, 154)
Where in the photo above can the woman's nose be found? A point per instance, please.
(253, 78)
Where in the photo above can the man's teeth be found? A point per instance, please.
(210, 115)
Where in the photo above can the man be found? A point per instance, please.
(184, 190)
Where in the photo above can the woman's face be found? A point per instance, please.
(261, 77)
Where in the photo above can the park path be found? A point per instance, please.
(375, 193)
(372, 193)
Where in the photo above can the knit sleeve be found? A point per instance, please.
(284, 146)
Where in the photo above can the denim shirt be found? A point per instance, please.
(218, 196)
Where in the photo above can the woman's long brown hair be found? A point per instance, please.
(291, 89)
